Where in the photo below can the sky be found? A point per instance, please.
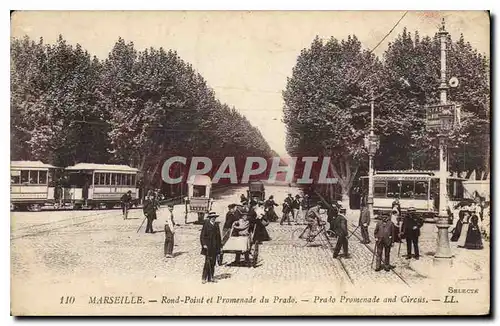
(246, 57)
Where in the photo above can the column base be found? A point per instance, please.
(442, 262)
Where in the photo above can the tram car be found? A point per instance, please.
(418, 189)
(198, 199)
(96, 185)
(31, 185)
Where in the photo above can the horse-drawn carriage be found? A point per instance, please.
(198, 199)
(256, 191)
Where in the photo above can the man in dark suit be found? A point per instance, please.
(338, 224)
(411, 230)
(126, 202)
(149, 210)
(287, 209)
(384, 231)
(364, 221)
(211, 245)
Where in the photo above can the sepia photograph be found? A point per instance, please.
(250, 163)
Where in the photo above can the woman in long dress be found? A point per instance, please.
(473, 239)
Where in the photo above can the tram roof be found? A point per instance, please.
(30, 165)
(101, 167)
(410, 174)
(426, 172)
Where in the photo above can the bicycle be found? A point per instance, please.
(310, 235)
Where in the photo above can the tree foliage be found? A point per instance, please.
(327, 102)
(134, 107)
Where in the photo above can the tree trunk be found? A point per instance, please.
(345, 174)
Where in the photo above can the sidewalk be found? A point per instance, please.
(467, 264)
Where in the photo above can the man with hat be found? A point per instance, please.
(411, 230)
(287, 210)
(364, 221)
(126, 202)
(338, 225)
(296, 205)
(384, 231)
(211, 245)
(149, 208)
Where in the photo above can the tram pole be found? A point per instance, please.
(370, 161)
(443, 252)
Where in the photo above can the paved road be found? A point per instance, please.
(82, 252)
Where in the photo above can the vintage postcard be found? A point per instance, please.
(275, 163)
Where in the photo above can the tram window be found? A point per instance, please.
(108, 179)
(15, 177)
(113, 179)
(133, 180)
(128, 179)
(407, 189)
(118, 180)
(24, 176)
(124, 180)
(379, 189)
(51, 179)
(421, 188)
(199, 191)
(33, 177)
(42, 177)
(393, 189)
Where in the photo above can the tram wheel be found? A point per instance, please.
(34, 208)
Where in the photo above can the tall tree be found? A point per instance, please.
(322, 99)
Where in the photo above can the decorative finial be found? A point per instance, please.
(442, 25)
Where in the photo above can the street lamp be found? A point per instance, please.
(372, 144)
(441, 118)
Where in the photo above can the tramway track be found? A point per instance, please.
(48, 227)
(354, 233)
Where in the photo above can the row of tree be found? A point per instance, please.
(134, 107)
(327, 101)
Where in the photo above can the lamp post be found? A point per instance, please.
(443, 253)
(371, 143)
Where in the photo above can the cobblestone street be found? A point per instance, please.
(50, 250)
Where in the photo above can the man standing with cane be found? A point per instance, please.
(384, 231)
(411, 231)
(149, 209)
(364, 221)
(338, 226)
